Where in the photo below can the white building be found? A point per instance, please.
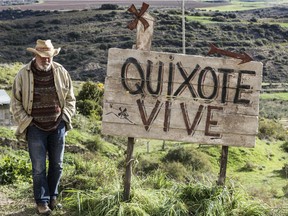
(5, 116)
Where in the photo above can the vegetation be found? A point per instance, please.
(86, 36)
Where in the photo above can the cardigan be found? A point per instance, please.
(22, 97)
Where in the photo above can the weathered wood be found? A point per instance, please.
(128, 173)
(223, 165)
(144, 36)
(180, 97)
(242, 140)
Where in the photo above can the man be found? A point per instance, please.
(42, 104)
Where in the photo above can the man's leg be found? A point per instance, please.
(56, 143)
(37, 145)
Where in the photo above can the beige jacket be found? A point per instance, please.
(22, 97)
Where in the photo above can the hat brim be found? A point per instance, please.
(49, 54)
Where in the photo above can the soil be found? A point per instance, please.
(4, 200)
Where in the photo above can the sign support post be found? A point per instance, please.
(128, 173)
(223, 165)
(144, 24)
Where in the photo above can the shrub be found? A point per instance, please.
(91, 91)
(253, 19)
(189, 158)
(56, 22)
(85, 107)
(285, 146)
(248, 167)
(284, 170)
(176, 171)
(271, 129)
(7, 133)
(89, 100)
(219, 19)
(109, 7)
(285, 190)
(73, 36)
(146, 166)
(94, 145)
(14, 168)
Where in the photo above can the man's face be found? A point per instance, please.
(44, 63)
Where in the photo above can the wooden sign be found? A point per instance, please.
(170, 96)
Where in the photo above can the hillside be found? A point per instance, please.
(85, 36)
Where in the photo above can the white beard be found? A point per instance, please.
(45, 67)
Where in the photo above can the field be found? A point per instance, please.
(189, 4)
(78, 5)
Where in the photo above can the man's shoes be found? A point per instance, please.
(54, 205)
(43, 209)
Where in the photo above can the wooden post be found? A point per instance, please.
(183, 28)
(128, 173)
(148, 146)
(163, 145)
(143, 42)
(223, 165)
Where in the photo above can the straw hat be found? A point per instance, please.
(44, 48)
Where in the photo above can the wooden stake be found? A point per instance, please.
(223, 165)
(143, 42)
(128, 173)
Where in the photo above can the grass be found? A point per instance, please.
(267, 158)
(240, 6)
(279, 96)
(92, 181)
(7, 74)
(265, 181)
(201, 19)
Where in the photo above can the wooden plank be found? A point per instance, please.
(180, 97)
(228, 123)
(175, 134)
(118, 99)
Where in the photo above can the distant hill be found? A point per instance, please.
(85, 36)
(90, 4)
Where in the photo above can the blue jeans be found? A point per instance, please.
(40, 144)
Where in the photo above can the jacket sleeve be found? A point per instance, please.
(22, 118)
(70, 101)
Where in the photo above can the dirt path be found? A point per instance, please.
(9, 207)
(4, 200)
(22, 207)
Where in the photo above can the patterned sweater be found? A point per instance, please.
(46, 111)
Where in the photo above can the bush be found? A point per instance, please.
(189, 158)
(285, 146)
(271, 129)
(176, 171)
(86, 107)
(284, 170)
(146, 166)
(94, 145)
(219, 19)
(285, 190)
(13, 168)
(109, 7)
(89, 100)
(248, 167)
